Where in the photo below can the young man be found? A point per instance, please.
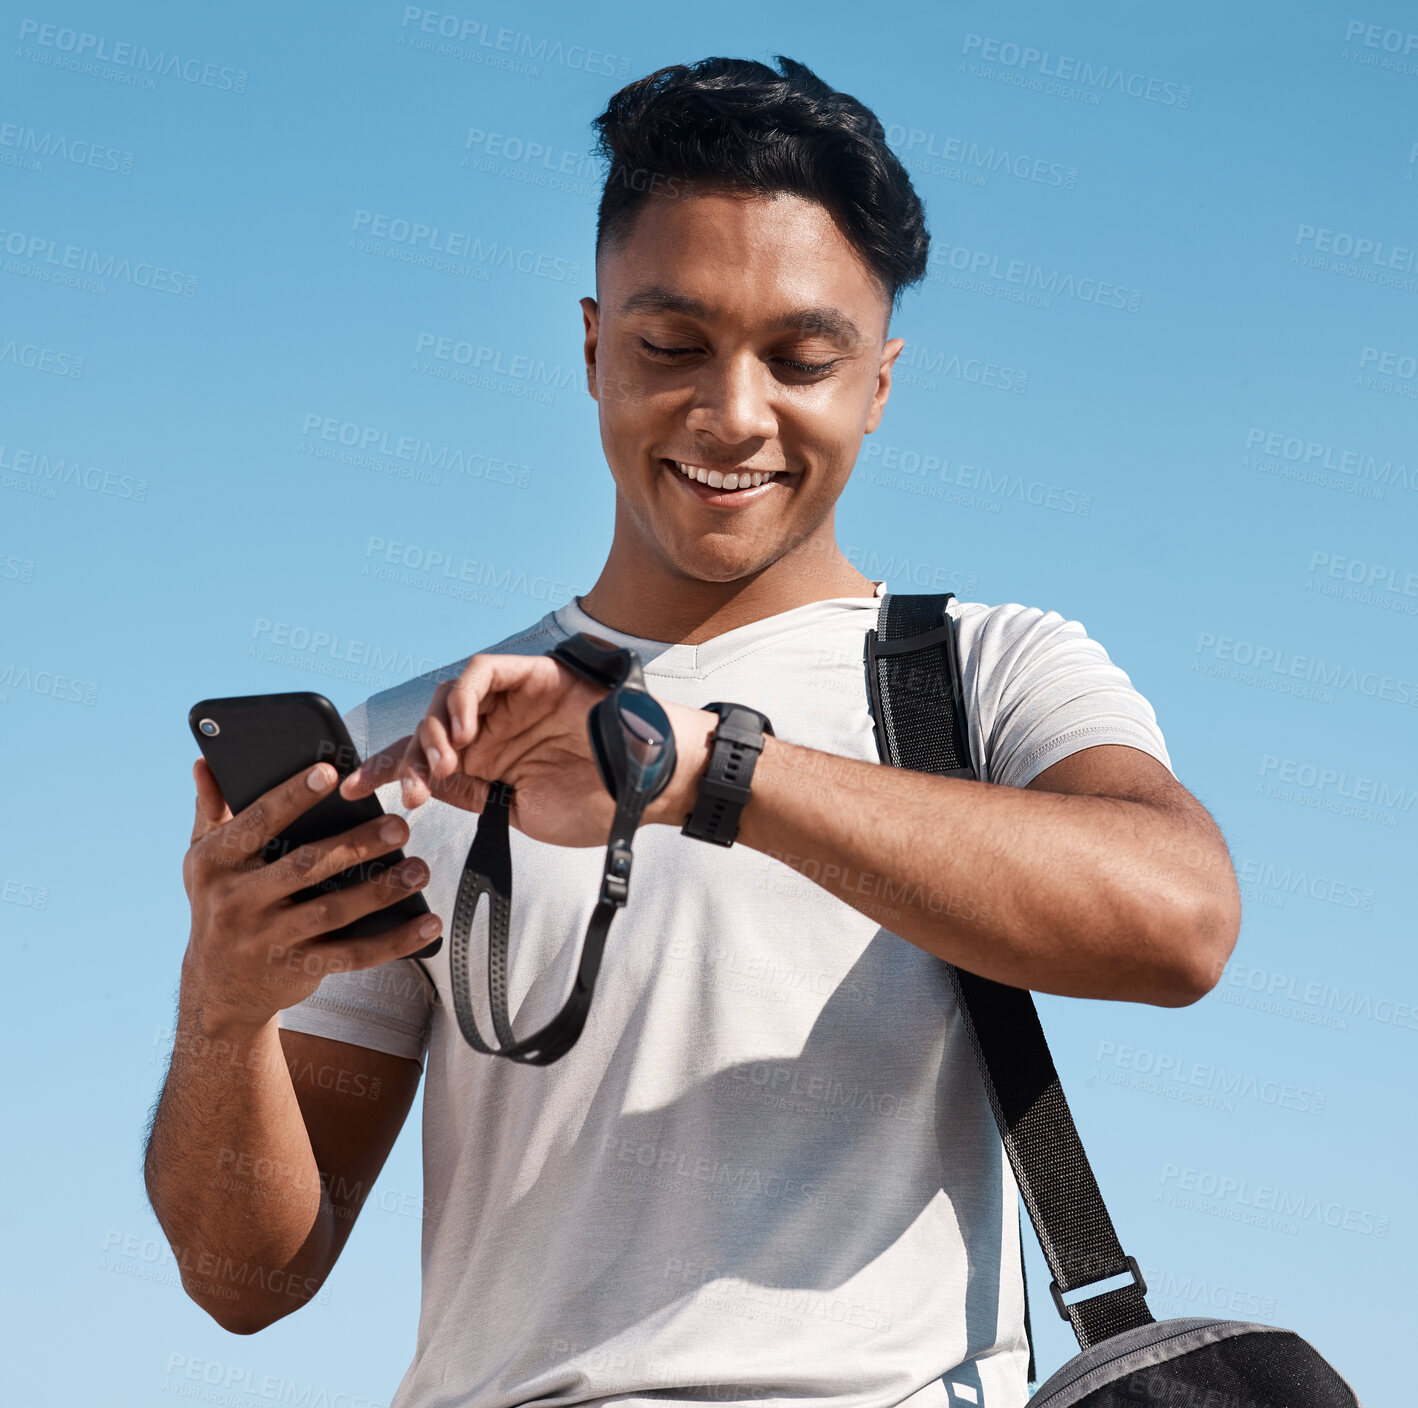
(768, 1170)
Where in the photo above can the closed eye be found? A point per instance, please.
(802, 368)
(666, 351)
(809, 368)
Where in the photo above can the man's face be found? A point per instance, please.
(740, 335)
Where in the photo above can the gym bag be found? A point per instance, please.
(1129, 1360)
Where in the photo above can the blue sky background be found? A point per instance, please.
(1241, 432)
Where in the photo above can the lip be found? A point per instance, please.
(721, 498)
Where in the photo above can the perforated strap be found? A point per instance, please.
(914, 673)
(488, 871)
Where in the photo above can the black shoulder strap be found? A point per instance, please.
(914, 675)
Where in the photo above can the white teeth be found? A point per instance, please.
(716, 479)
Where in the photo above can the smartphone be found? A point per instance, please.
(254, 742)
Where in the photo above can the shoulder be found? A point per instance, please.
(1010, 630)
(394, 712)
(1039, 687)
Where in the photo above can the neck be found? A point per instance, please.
(647, 596)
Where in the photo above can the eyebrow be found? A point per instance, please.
(831, 322)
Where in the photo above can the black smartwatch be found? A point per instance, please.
(724, 788)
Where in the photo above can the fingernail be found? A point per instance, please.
(392, 830)
(433, 756)
(318, 778)
(430, 926)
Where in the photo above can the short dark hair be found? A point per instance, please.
(736, 124)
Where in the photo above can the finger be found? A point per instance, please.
(413, 768)
(438, 749)
(375, 770)
(462, 790)
(211, 808)
(351, 955)
(318, 860)
(303, 920)
(257, 825)
(484, 677)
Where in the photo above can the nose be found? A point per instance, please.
(732, 401)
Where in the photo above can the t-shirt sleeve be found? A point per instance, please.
(1042, 689)
(386, 1007)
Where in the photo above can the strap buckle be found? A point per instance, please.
(1058, 1294)
(615, 883)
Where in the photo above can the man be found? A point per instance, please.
(768, 1170)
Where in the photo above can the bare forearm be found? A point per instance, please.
(232, 1176)
(1059, 893)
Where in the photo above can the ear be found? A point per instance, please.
(591, 316)
(890, 351)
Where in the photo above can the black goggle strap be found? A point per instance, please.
(605, 667)
(488, 871)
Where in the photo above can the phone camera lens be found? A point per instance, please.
(209, 727)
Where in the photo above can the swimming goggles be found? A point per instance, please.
(634, 748)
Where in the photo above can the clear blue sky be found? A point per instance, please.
(1175, 283)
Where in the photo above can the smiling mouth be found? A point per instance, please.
(725, 481)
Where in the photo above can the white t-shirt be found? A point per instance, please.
(767, 1172)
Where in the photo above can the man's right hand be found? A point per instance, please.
(252, 950)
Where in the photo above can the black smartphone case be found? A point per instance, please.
(265, 739)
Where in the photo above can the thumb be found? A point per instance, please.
(211, 809)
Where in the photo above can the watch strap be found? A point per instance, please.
(724, 789)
